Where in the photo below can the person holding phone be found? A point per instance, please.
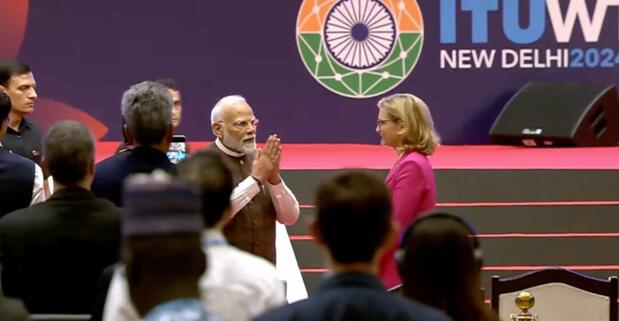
(179, 149)
(260, 197)
(147, 107)
(177, 113)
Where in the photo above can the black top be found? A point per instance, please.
(16, 181)
(26, 141)
(54, 252)
(354, 296)
(110, 173)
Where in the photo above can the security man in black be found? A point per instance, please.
(22, 137)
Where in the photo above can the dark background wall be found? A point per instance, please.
(86, 53)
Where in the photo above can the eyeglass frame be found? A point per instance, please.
(381, 122)
(239, 123)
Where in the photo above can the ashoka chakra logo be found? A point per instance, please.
(360, 48)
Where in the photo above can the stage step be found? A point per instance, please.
(526, 219)
(461, 185)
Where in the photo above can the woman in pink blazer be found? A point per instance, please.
(405, 124)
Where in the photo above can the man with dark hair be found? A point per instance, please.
(177, 107)
(147, 109)
(354, 227)
(23, 137)
(54, 252)
(21, 180)
(238, 285)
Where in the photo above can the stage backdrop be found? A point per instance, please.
(312, 70)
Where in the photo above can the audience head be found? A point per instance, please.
(440, 264)
(69, 153)
(147, 110)
(162, 233)
(177, 107)
(17, 80)
(5, 109)
(404, 123)
(207, 171)
(353, 218)
(234, 123)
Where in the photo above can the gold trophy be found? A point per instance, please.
(524, 301)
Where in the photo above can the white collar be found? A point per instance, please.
(227, 150)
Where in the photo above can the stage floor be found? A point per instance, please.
(340, 156)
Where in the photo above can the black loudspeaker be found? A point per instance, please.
(548, 114)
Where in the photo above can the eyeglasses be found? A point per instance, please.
(244, 124)
(381, 122)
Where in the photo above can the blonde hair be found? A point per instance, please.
(420, 134)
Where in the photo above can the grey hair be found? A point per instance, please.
(147, 110)
(69, 149)
(218, 110)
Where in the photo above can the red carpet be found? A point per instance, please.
(338, 156)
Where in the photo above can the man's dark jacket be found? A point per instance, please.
(52, 253)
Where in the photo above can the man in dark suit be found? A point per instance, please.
(354, 227)
(21, 180)
(53, 252)
(147, 109)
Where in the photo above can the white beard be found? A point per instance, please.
(249, 146)
(240, 146)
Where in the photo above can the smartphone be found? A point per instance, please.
(178, 149)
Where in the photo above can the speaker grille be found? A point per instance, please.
(555, 114)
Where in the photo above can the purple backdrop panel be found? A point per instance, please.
(86, 53)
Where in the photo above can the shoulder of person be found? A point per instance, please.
(415, 160)
(35, 129)
(21, 217)
(254, 269)
(255, 261)
(112, 161)
(415, 156)
(19, 160)
(253, 264)
(290, 312)
(109, 208)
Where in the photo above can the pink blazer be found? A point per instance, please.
(413, 191)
